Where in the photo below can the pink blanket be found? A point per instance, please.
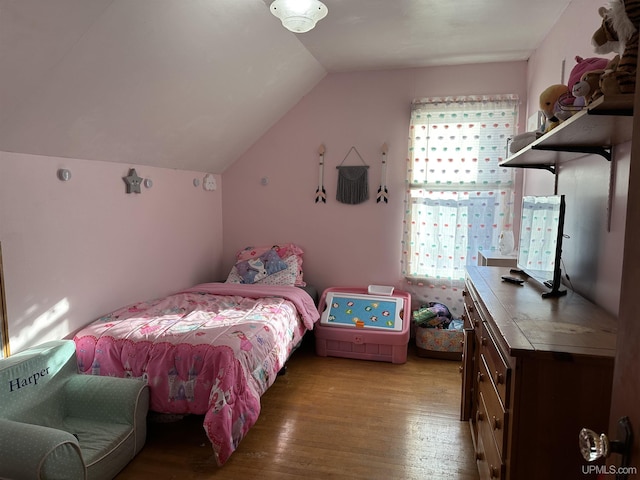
(213, 349)
(300, 298)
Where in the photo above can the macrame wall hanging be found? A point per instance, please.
(383, 193)
(353, 181)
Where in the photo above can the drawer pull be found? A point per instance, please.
(476, 323)
(499, 377)
(479, 417)
(496, 423)
(479, 456)
(461, 368)
(493, 472)
(480, 377)
(483, 341)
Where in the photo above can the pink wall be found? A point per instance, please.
(359, 245)
(344, 244)
(75, 250)
(592, 255)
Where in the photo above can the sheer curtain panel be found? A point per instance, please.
(458, 198)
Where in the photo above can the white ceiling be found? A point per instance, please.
(191, 84)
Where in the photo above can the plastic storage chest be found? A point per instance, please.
(360, 340)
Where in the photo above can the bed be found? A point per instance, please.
(210, 350)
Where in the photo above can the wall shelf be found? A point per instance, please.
(595, 130)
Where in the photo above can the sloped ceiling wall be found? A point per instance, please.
(182, 84)
(192, 84)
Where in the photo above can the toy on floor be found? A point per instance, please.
(432, 315)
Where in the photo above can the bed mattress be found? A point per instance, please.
(212, 350)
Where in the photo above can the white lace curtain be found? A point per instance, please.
(458, 198)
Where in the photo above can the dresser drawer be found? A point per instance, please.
(473, 318)
(498, 369)
(488, 457)
(495, 415)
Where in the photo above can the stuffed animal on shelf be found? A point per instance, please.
(550, 105)
(582, 67)
(588, 88)
(619, 34)
(607, 39)
(608, 81)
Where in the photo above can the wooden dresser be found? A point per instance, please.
(535, 371)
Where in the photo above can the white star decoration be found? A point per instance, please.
(133, 181)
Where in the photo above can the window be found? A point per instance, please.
(458, 198)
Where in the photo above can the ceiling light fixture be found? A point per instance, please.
(299, 16)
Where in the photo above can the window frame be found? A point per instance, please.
(441, 186)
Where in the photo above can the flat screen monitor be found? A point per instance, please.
(540, 246)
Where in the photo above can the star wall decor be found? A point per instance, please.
(133, 182)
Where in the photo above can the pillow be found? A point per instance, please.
(251, 270)
(256, 269)
(291, 275)
(234, 276)
(283, 251)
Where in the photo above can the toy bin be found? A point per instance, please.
(439, 343)
(356, 324)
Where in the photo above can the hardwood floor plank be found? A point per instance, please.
(331, 418)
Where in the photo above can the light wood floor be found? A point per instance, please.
(332, 418)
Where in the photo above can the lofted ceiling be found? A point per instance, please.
(191, 84)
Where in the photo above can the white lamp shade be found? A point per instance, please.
(299, 16)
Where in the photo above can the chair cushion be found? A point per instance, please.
(105, 447)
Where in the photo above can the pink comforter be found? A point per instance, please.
(213, 349)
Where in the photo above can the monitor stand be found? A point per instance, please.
(555, 292)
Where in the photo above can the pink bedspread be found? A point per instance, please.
(213, 349)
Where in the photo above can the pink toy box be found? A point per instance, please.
(356, 324)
